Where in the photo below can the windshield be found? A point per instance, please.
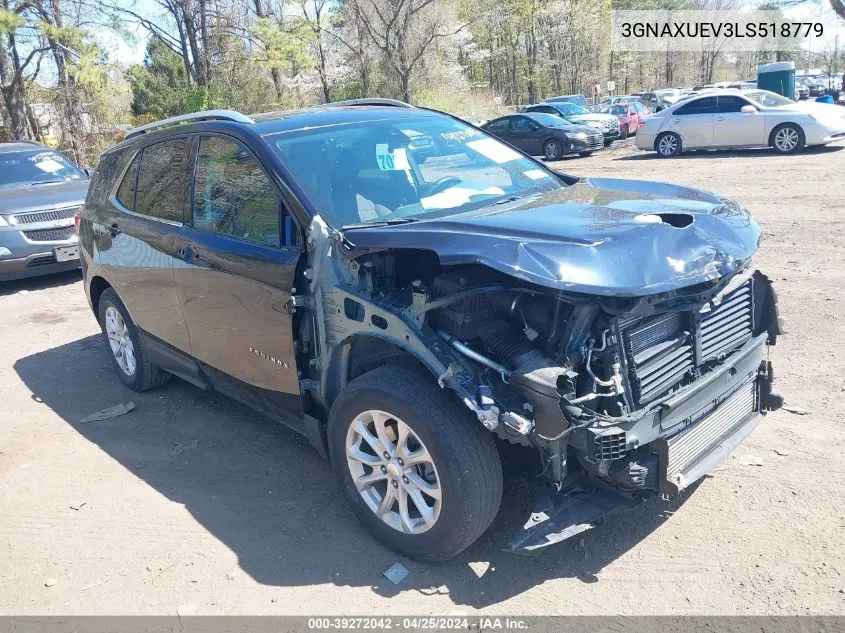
(570, 109)
(371, 172)
(35, 167)
(768, 99)
(618, 110)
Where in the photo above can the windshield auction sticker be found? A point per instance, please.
(715, 30)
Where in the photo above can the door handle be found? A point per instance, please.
(721, 118)
(113, 229)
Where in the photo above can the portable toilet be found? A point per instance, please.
(778, 77)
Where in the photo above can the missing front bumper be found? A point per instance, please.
(683, 458)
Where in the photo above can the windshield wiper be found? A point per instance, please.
(44, 182)
(366, 225)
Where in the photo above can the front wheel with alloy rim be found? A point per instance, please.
(787, 139)
(552, 149)
(668, 144)
(125, 347)
(420, 472)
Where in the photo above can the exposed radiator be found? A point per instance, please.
(661, 351)
(726, 327)
(689, 446)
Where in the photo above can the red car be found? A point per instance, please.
(631, 115)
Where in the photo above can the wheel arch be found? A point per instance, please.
(96, 287)
(363, 352)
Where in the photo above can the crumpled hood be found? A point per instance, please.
(42, 197)
(600, 236)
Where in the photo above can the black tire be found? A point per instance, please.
(552, 149)
(794, 133)
(608, 143)
(146, 375)
(463, 452)
(623, 132)
(587, 153)
(670, 148)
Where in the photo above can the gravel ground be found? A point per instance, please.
(131, 515)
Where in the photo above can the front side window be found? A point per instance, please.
(501, 124)
(707, 105)
(730, 103)
(232, 194)
(521, 124)
(163, 181)
(36, 167)
(369, 171)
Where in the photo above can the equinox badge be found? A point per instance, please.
(272, 359)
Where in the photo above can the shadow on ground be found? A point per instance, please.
(268, 496)
(55, 280)
(731, 153)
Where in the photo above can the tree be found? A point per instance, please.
(404, 30)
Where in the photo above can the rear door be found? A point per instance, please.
(734, 127)
(133, 239)
(239, 251)
(694, 122)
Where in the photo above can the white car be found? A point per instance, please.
(718, 119)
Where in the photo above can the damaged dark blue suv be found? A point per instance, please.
(405, 311)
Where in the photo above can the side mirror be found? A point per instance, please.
(89, 171)
(748, 109)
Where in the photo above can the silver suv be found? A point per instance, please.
(40, 191)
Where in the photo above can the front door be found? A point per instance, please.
(525, 135)
(734, 127)
(694, 122)
(238, 256)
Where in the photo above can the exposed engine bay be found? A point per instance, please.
(602, 387)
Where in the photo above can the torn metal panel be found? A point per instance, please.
(556, 517)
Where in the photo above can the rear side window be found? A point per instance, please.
(232, 194)
(707, 105)
(162, 180)
(126, 191)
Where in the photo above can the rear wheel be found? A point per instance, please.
(125, 346)
(422, 475)
(787, 139)
(668, 144)
(623, 132)
(552, 149)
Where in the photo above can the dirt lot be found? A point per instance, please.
(120, 516)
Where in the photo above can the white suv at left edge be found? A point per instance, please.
(720, 119)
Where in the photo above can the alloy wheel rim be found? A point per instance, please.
(393, 472)
(668, 145)
(786, 139)
(120, 342)
(551, 150)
